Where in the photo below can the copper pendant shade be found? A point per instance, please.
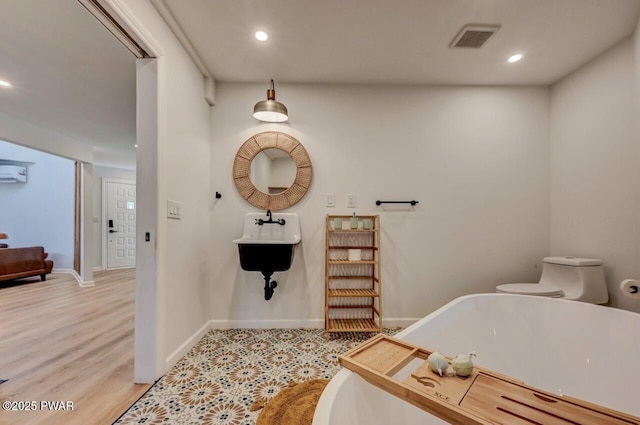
(270, 110)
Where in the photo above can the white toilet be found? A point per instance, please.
(571, 278)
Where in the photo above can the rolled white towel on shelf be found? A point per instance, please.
(355, 255)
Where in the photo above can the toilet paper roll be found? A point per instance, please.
(631, 288)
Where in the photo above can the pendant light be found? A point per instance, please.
(270, 110)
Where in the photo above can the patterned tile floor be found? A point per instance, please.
(218, 381)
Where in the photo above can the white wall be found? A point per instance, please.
(637, 129)
(267, 172)
(283, 172)
(182, 247)
(42, 139)
(100, 173)
(27, 134)
(594, 167)
(41, 211)
(477, 159)
(261, 172)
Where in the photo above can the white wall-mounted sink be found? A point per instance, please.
(270, 233)
(267, 245)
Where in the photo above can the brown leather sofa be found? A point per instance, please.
(16, 263)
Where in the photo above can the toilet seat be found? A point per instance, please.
(530, 289)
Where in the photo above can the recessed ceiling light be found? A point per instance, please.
(262, 36)
(4, 83)
(135, 146)
(514, 58)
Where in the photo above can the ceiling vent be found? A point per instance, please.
(474, 36)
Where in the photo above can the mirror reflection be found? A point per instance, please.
(272, 171)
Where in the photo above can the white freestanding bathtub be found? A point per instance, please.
(582, 350)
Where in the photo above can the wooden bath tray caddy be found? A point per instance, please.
(484, 397)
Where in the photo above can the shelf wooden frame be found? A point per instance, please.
(352, 230)
(352, 325)
(352, 262)
(363, 277)
(353, 247)
(338, 277)
(352, 293)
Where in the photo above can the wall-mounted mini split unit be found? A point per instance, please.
(474, 35)
(13, 174)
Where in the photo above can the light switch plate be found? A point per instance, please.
(352, 200)
(331, 200)
(173, 209)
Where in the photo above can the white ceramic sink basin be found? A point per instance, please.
(270, 233)
(268, 244)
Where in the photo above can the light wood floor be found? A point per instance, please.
(60, 342)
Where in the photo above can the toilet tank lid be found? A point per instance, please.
(573, 261)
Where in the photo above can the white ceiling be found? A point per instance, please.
(70, 75)
(405, 41)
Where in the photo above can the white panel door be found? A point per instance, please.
(121, 225)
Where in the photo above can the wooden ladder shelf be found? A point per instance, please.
(353, 288)
(484, 397)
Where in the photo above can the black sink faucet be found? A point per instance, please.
(279, 221)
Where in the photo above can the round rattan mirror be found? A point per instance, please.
(242, 170)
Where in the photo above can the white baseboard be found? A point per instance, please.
(76, 276)
(187, 345)
(401, 322)
(268, 324)
(97, 269)
(173, 358)
(66, 271)
(119, 268)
